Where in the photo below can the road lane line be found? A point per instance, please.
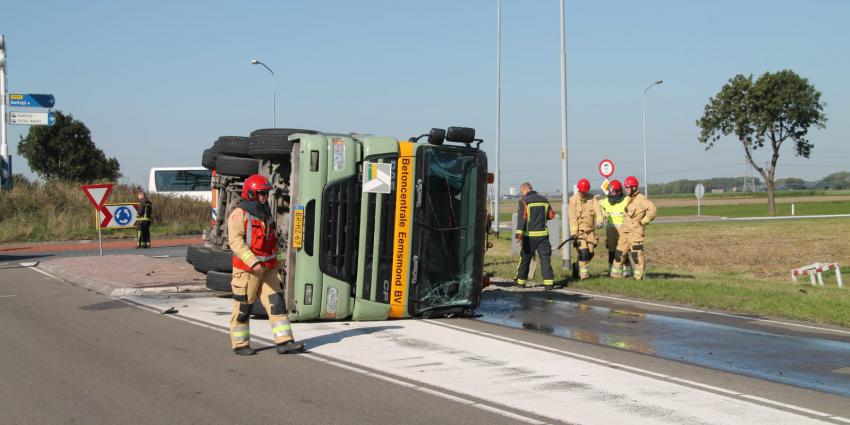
(7, 296)
(359, 370)
(696, 310)
(712, 388)
(207, 309)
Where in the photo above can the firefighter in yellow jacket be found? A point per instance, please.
(614, 208)
(585, 218)
(252, 238)
(639, 212)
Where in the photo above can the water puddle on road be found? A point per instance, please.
(800, 361)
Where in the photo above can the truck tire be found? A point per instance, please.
(218, 281)
(231, 145)
(273, 143)
(208, 159)
(280, 132)
(221, 261)
(193, 252)
(198, 257)
(239, 167)
(269, 147)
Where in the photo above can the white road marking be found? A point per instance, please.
(716, 313)
(542, 381)
(539, 381)
(7, 296)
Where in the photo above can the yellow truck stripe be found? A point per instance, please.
(403, 222)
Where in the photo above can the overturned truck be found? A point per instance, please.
(370, 227)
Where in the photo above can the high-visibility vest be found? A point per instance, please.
(262, 240)
(615, 212)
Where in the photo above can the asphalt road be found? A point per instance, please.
(73, 356)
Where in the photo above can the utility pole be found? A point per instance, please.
(497, 174)
(565, 233)
(5, 158)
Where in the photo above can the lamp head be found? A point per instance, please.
(254, 61)
(659, 81)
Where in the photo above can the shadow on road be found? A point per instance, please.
(332, 338)
(106, 305)
(20, 257)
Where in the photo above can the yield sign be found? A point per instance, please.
(97, 193)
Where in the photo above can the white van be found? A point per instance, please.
(194, 182)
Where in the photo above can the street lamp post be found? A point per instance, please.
(645, 180)
(274, 91)
(498, 174)
(565, 253)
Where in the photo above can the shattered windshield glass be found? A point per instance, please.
(447, 221)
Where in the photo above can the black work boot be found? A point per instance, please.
(245, 351)
(289, 347)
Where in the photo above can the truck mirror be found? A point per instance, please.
(436, 136)
(463, 135)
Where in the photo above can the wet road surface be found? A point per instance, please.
(819, 363)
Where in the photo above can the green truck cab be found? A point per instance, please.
(383, 228)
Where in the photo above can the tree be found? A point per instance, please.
(65, 151)
(775, 108)
(839, 181)
(793, 183)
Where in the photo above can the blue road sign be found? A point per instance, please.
(123, 216)
(32, 100)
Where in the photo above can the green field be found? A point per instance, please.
(733, 266)
(759, 210)
(814, 207)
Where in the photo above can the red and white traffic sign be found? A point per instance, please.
(606, 168)
(97, 193)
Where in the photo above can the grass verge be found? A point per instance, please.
(738, 267)
(34, 212)
(757, 210)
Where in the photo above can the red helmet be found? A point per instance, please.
(254, 184)
(631, 181)
(615, 186)
(583, 185)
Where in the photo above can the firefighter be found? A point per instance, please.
(531, 231)
(639, 212)
(253, 240)
(585, 218)
(144, 211)
(614, 208)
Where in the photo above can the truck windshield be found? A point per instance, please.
(447, 221)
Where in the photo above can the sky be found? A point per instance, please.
(157, 82)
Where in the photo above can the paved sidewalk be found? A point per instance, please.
(87, 245)
(123, 275)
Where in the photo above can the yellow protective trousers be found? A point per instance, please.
(586, 247)
(247, 286)
(612, 238)
(629, 248)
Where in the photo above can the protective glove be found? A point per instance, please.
(598, 225)
(645, 222)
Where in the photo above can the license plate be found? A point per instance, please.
(298, 227)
